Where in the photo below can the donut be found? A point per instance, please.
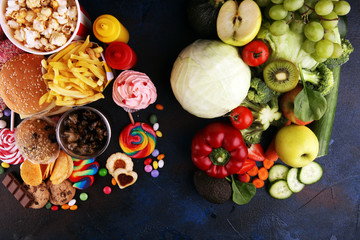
(9, 152)
(137, 140)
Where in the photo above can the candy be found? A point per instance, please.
(159, 107)
(18, 190)
(161, 163)
(5, 165)
(54, 208)
(9, 152)
(148, 168)
(73, 207)
(83, 173)
(83, 196)
(156, 126)
(161, 156)
(72, 202)
(65, 206)
(154, 173)
(153, 118)
(138, 140)
(147, 161)
(113, 181)
(155, 165)
(1, 170)
(7, 112)
(158, 133)
(48, 205)
(2, 124)
(155, 153)
(103, 172)
(107, 190)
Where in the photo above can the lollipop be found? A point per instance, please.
(83, 173)
(138, 140)
(9, 152)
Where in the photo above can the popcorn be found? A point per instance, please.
(41, 24)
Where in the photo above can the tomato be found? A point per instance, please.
(255, 53)
(241, 117)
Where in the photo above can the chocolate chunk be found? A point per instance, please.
(18, 190)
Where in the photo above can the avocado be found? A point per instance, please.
(214, 190)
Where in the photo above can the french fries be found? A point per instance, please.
(75, 76)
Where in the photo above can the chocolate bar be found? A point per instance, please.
(18, 190)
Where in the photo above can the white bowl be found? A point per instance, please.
(81, 18)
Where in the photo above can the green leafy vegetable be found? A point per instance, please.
(347, 50)
(321, 79)
(259, 92)
(242, 192)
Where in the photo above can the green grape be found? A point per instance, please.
(277, 12)
(263, 3)
(297, 26)
(341, 8)
(317, 58)
(277, 1)
(337, 51)
(309, 46)
(310, 3)
(289, 17)
(324, 48)
(330, 35)
(279, 27)
(330, 21)
(293, 5)
(314, 31)
(324, 7)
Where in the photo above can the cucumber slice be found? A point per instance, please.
(293, 182)
(279, 189)
(311, 173)
(278, 171)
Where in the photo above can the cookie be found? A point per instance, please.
(40, 194)
(61, 193)
(119, 160)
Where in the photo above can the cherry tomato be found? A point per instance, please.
(255, 53)
(241, 117)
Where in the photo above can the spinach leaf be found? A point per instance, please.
(242, 192)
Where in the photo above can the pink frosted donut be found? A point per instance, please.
(9, 152)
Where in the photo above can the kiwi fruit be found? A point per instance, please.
(281, 75)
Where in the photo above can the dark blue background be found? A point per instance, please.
(168, 207)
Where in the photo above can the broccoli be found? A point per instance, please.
(347, 50)
(259, 92)
(264, 114)
(321, 79)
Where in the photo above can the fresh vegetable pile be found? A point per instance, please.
(273, 64)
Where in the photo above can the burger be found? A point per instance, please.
(22, 86)
(36, 140)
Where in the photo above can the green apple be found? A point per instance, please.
(296, 145)
(238, 24)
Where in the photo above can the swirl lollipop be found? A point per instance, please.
(9, 152)
(138, 140)
(83, 173)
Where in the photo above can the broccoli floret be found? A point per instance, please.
(259, 92)
(347, 50)
(264, 114)
(321, 79)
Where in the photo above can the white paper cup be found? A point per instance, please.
(83, 28)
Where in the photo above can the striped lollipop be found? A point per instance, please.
(138, 140)
(9, 152)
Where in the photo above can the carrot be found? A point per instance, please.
(258, 182)
(263, 173)
(270, 152)
(254, 171)
(268, 163)
(244, 177)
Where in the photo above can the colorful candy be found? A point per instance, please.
(83, 173)
(9, 152)
(138, 140)
(107, 190)
(83, 196)
(153, 118)
(156, 126)
(2, 124)
(148, 168)
(161, 163)
(7, 112)
(155, 153)
(159, 107)
(154, 173)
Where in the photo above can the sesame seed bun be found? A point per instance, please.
(22, 85)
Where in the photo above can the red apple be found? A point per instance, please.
(287, 105)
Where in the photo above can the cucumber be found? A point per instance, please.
(311, 173)
(279, 189)
(293, 182)
(278, 171)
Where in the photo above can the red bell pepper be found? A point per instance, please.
(219, 150)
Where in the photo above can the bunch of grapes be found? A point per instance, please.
(316, 19)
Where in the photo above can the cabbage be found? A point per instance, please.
(209, 78)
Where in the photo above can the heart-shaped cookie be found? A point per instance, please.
(124, 178)
(119, 160)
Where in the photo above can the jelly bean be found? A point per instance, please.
(154, 173)
(148, 168)
(161, 156)
(72, 202)
(5, 165)
(155, 153)
(153, 118)
(7, 112)
(161, 163)
(158, 133)
(107, 190)
(1, 170)
(113, 181)
(155, 165)
(54, 208)
(65, 206)
(159, 107)
(103, 172)
(74, 207)
(48, 205)
(83, 196)
(147, 161)
(1, 114)
(156, 126)
(2, 124)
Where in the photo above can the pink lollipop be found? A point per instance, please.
(9, 152)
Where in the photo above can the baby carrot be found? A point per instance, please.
(263, 173)
(258, 182)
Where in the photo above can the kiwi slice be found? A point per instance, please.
(281, 75)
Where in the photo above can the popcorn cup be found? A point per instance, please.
(82, 29)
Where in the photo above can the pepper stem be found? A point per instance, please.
(219, 156)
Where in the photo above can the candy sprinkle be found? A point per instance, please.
(154, 173)
(83, 196)
(107, 190)
(5, 165)
(159, 107)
